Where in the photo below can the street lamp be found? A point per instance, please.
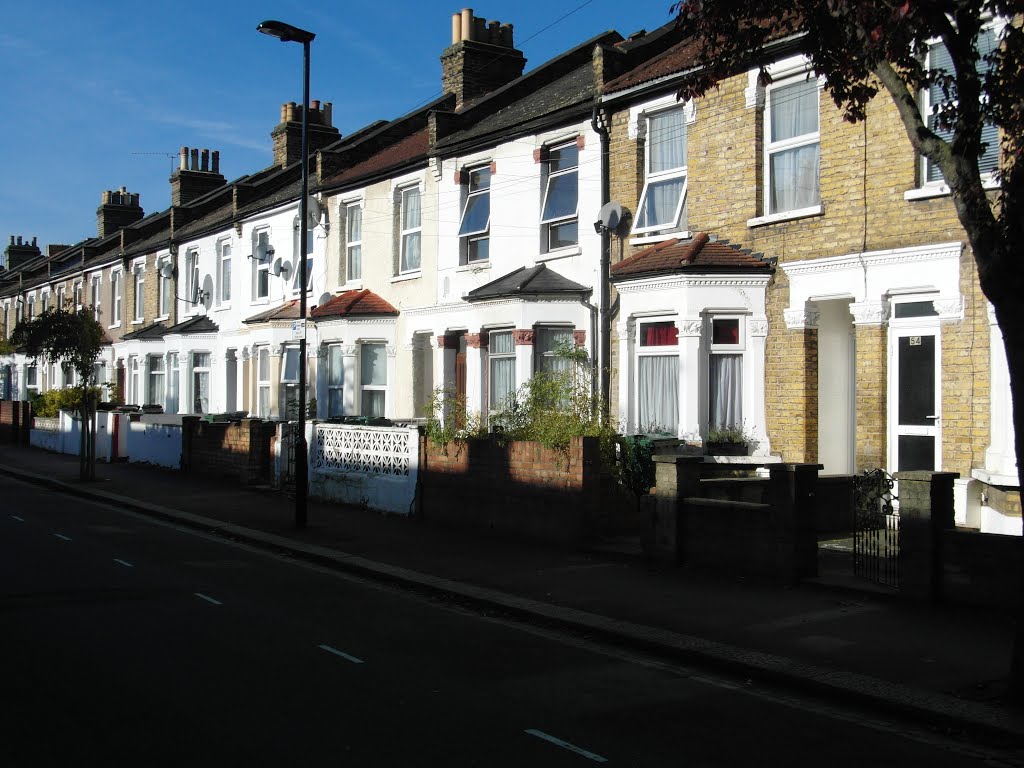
(286, 33)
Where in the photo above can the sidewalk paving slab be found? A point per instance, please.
(935, 666)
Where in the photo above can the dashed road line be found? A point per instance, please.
(19, 519)
(343, 655)
(125, 563)
(566, 745)
(62, 537)
(207, 598)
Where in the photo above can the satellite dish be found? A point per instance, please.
(167, 271)
(324, 299)
(313, 212)
(206, 295)
(610, 215)
(281, 268)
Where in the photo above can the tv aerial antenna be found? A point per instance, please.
(172, 156)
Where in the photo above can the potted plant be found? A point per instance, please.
(727, 441)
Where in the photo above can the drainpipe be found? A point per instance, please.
(604, 331)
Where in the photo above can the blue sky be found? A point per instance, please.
(100, 95)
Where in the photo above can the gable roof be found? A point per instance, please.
(532, 281)
(152, 332)
(287, 311)
(699, 254)
(353, 303)
(197, 324)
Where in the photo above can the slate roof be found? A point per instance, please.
(401, 153)
(287, 311)
(353, 303)
(152, 332)
(527, 281)
(197, 324)
(699, 254)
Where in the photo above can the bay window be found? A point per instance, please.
(501, 368)
(373, 378)
(200, 382)
(157, 381)
(263, 383)
(725, 373)
(658, 377)
(335, 381)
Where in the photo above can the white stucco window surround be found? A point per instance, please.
(679, 326)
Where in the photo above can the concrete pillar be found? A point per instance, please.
(926, 510)
(692, 402)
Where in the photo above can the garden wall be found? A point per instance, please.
(238, 449)
(521, 488)
(15, 421)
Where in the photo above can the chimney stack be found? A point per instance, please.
(20, 252)
(117, 209)
(287, 135)
(198, 172)
(481, 58)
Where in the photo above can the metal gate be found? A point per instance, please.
(876, 528)
(288, 432)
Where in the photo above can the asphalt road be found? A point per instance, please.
(125, 641)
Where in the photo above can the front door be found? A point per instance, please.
(915, 434)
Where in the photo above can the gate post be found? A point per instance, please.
(793, 503)
(926, 510)
(676, 477)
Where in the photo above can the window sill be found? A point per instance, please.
(115, 325)
(407, 276)
(354, 285)
(929, 191)
(473, 266)
(222, 307)
(561, 253)
(260, 301)
(161, 317)
(660, 238)
(138, 322)
(774, 218)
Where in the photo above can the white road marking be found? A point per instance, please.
(62, 537)
(566, 745)
(207, 598)
(125, 563)
(343, 655)
(19, 519)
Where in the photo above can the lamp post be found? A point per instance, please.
(286, 33)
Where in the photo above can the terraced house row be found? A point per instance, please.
(747, 259)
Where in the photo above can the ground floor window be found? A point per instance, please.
(31, 378)
(200, 382)
(157, 380)
(657, 376)
(501, 368)
(290, 363)
(373, 364)
(335, 381)
(263, 383)
(725, 388)
(172, 382)
(134, 393)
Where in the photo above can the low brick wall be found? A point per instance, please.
(521, 488)
(235, 449)
(15, 421)
(735, 536)
(981, 569)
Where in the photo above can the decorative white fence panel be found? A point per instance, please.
(376, 467)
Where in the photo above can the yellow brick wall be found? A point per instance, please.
(864, 171)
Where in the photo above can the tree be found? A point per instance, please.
(864, 48)
(74, 337)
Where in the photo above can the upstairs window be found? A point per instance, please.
(410, 218)
(139, 296)
(61, 298)
(663, 200)
(354, 241)
(262, 253)
(115, 297)
(791, 141)
(224, 272)
(561, 197)
(96, 293)
(192, 277)
(296, 262)
(474, 227)
(46, 300)
(163, 290)
(78, 293)
(933, 98)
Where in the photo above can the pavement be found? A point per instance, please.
(941, 667)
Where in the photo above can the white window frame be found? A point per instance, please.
(310, 243)
(737, 349)
(353, 246)
(262, 383)
(60, 297)
(363, 387)
(550, 224)
(662, 350)
(200, 369)
(163, 289)
(139, 298)
(652, 178)
(78, 294)
(96, 289)
(224, 265)
(134, 380)
(151, 375)
(470, 238)
(44, 301)
(796, 142)
(31, 306)
(339, 388)
(492, 406)
(32, 377)
(406, 234)
(192, 280)
(262, 255)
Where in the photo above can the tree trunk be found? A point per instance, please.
(1010, 315)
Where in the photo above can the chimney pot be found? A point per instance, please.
(506, 36)
(215, 160)
(194, 159)
(479, 29)
(183, 164)
(19, 239)
(33, 240)
(123, 190)
(12, 239)
(315, 105)
(205, 160)
(467, 23)
(328, 112)
(456, 28)
(284, 113)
